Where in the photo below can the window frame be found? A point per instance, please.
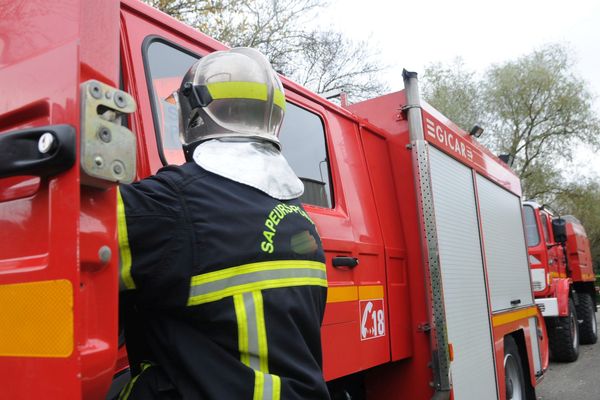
(326, 135)
(537, 230)
(148, 41)
(545, 230)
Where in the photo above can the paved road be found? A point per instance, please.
(574, 381)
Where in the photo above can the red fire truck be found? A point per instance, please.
(563, 279)
(429, 286)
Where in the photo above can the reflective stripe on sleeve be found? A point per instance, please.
(214, 286)
(125, 279)
(242, 323)
(253, 344)
(126, 392)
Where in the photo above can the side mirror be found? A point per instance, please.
(559, 228)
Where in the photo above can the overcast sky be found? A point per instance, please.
(413, 34)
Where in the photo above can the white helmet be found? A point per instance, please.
(234, 93)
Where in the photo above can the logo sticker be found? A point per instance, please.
(372, 323)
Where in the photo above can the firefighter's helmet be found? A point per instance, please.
(234, 93)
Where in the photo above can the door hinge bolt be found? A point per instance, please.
(104, 134)
(99, 161)
(118, 168)
(120, 100)
(104, 254)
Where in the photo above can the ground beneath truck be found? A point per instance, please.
(574, 381)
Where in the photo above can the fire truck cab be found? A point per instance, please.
(563, 279)
(429, 286)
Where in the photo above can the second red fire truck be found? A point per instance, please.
(563, 279)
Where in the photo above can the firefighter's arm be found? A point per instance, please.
(149, 233)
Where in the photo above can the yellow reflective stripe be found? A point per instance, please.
(370, 292)
(124, 250)
(338, 294)
(240, 313)
(279, 99)
(259, 385)
(244, 90)
(255, 267)
(262, 332)
(249, 287)
(508, 317)
(253, 344)
(276, 387)
(126, 392)
(238, 90)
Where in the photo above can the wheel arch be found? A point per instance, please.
(530, 380)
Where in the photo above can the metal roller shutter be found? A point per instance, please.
(504, 244)
(465, 295)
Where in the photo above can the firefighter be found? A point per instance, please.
(222, 271)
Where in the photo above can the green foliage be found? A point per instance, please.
(536, 109)
(454, 91)
(582, 199)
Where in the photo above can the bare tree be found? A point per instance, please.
(322, 61)
(329, 61)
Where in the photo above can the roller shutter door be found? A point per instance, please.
(504, 244)
(465, 295)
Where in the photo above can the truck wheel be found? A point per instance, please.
(563, 335)
(513, 371)
(588, 330)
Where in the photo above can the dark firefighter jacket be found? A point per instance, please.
(224, 289)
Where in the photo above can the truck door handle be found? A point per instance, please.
(515, 302)
(43, 151)
(349, 262)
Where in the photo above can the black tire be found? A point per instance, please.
(586, 312)
(563, 335)
(514, 376)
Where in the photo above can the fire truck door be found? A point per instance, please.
(54, 323)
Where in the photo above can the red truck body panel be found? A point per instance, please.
(51, 230)
(382, 122)
(579, 255)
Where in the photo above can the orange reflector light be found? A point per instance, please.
(36, 319)
(451, 351)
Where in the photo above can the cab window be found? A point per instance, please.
(165, 67)
(545, 228)
(303, 144)
(302, 134)
(531, 230)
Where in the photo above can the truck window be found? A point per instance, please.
(165, 66)
(303, 144)
(531, 230)
(545, 228)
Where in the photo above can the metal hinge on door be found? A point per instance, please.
(108, 148)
